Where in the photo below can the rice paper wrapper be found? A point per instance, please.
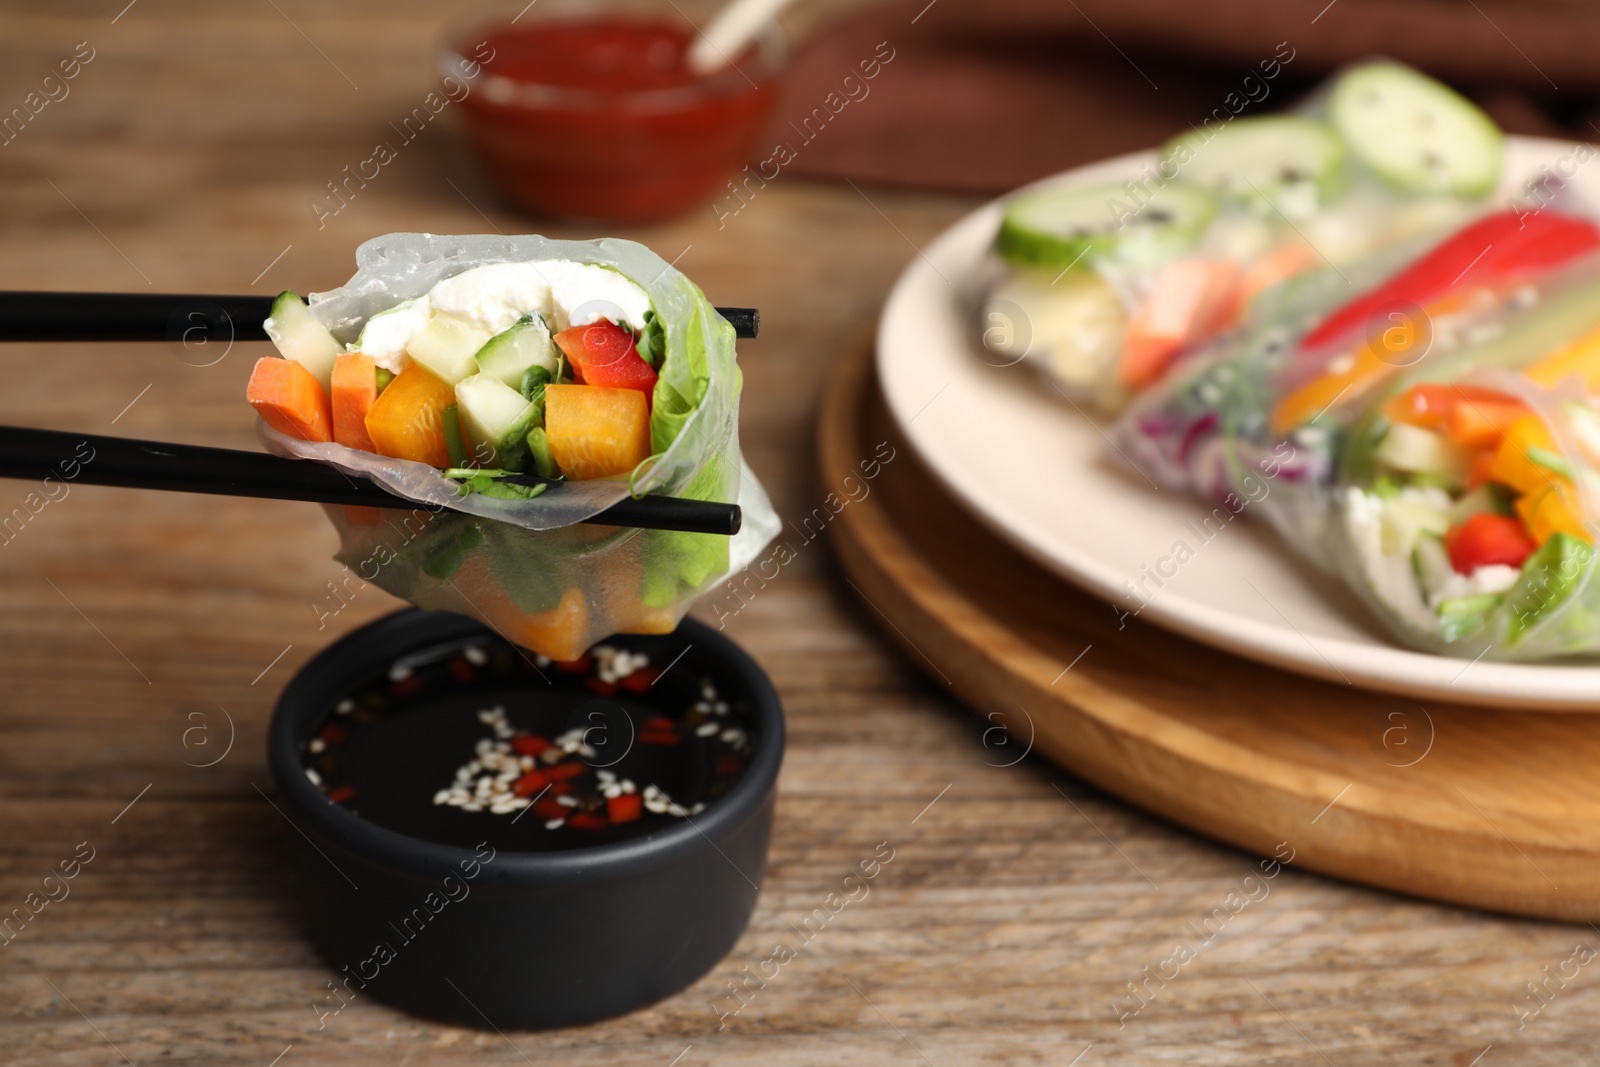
(1208, 430)
(529, 568)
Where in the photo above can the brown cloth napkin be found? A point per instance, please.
(984, 96)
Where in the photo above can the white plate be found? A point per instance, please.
(1025, 462)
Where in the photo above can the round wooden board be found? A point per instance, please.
(1490, 808)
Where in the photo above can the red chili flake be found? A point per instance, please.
(574, 666)
(640, 680)
(587, 820)
(625, 808)
(563, 771)
(341, 794)
(549, 809)
(659, 724)
(333, 733)
(529, 744)
(409, 684)
(729, 764)
(659, 739)
(530, 783)
(603, 688)
(462, 670)
(562, 789)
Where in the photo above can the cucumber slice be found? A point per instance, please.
(1405, 520)
(508, 356)
(1432, 564)
(497, 419)
(300, 337)
(446, 347)
(1418, 451)
(1291, 162)
(1416, 133)
(1058, 227)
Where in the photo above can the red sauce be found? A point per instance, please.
(609, 122)
(613, 54)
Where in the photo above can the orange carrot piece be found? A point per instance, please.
(1189, 302)
(405, 421)
(354, 391)
(596, 432)
(290, 399)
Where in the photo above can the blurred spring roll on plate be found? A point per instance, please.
(1107, 285)
(1433, 441)
(448, 361)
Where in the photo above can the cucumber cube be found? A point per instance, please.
(509, 355)
(445, 348)
(496, 419)
(300, 337)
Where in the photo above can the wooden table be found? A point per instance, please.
(1019, 904)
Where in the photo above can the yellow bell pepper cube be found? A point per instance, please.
(1513, 464)
(1551, 511)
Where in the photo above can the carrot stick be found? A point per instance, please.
(290, 399)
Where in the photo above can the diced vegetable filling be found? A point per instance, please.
(1474, 507)
(545, 368)
(1178, 256)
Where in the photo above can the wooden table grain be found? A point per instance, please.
(145, 636)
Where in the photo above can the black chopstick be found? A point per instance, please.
(95, 460)
(46, 316)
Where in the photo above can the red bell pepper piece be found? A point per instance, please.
(549, 808)
(342, 793)
(587, 820)
(529, 744)
(604, 354)
(562, 771)
(640, 680)
(530, 784)
(625, 808)
(1496, 250)
(1486, 539)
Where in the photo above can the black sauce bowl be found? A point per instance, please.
(522, 940)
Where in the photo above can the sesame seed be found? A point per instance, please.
(705, 729)
(316, 779)
(441, 797)
(554, 824)
(399, 672)
(567, 802)
(611, 791)
(345, 707)
(475, 655)
(318, 744)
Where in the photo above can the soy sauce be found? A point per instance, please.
(601, 749)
